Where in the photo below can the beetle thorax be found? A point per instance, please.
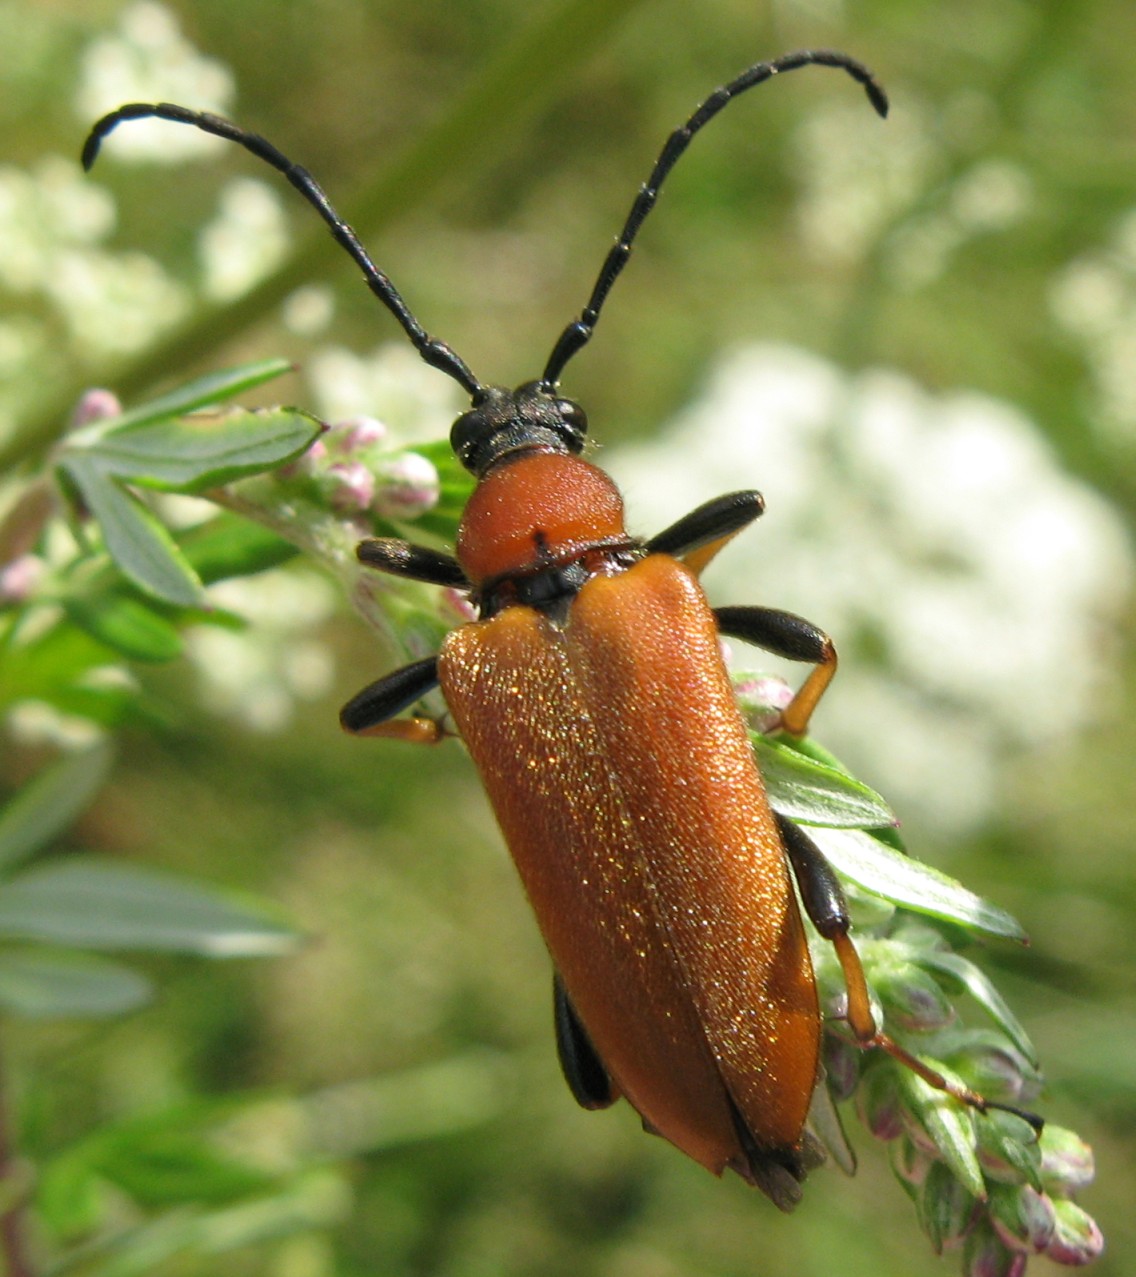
(536, 511)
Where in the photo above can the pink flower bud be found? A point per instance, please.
(349, 485)
(1022, 1217)
(95, 405)
(1066, 1161)
(18, 579)
(346, 438)
(1076, 1240)
(761, 699)
(405, 487)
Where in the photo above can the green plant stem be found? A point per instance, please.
(509, 90)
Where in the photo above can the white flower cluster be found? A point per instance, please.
(972, 587)
(258, 674)
(55, 220)
(392, 383)
(1094, 299)
(147, 59)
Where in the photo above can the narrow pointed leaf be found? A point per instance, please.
(187, 454)
(804, 789)
(879, 869)
(54, 666)
(950, 1125)
(982, 990)
(1006, 1138)
(227, 546)
(89, 903)
(50, 802)
(203, 392)
(69, 1196)
(68, 986)
(127, 624)
(171, 1166)
(135, 540)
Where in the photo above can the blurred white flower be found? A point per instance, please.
(52, 219)
(862, 187)
(114, 301)
(828, 12)
(43, 209)
(1094, 299)
(935, 532)
(992, 195)
(36, 723)
(22, 342)
(392, 384)
(988, 198)
(309, 310)
(856, 177)
(148, 60)
(258, 674)
(246, 239)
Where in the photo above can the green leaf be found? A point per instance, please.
(888, 873)
(982, 990)
(949, 1124)
(187, 454)
(1008, 1140)
(134, 538)
(50, 802)
(125, 623)
(88, 903)
(168, 1166)
(815, 793)
(107, 705)
(68, 1197)
(315, 1200)
(945, 1208)
(203, 392)
(55, 658)
(228, 545)
(68, 986)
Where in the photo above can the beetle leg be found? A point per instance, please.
(794, 638)
(698, 536)
(416, 562)
(823, 899)
(580, 1063)
(372, 711)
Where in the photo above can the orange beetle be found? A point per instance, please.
(592, 695)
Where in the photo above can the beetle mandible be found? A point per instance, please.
(592, 695)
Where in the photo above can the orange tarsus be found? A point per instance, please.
(413, 731)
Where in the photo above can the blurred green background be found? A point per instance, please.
(487, 150)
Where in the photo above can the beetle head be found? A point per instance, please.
(504, 422)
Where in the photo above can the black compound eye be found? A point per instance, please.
(573, 415)
(466, 434)
(571, 411)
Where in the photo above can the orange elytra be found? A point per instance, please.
(593, 698)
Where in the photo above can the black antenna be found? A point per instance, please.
(434, 352)
(578, 333)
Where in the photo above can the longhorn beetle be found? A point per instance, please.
(592, 695)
